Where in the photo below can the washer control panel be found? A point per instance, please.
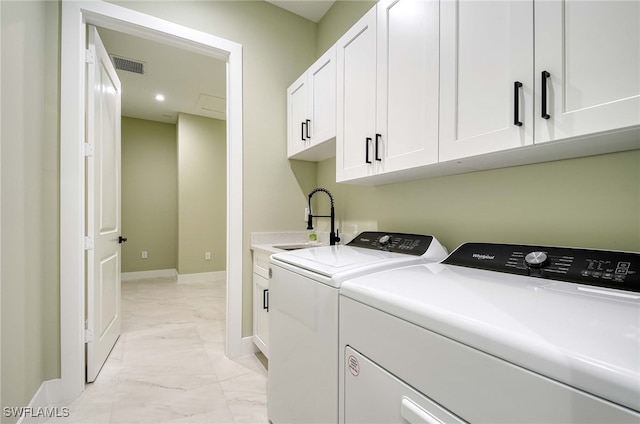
(410, 244)
(619, 270)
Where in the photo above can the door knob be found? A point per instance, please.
(121, 239)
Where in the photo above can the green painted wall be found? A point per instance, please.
(202, 194)
(277, 47)
(30, 352)
(338, 19)
(587, 202)
(149, 195)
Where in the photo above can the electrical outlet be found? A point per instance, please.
(207, 255)
(144, 254)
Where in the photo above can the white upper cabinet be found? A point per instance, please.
(486, 71)
(311, 111)
(590, 51)
(356, 108)
(321, 78)
(424, 84)
(387, 116)
(297, 115)
(408, 84)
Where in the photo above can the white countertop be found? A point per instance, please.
(268, 242)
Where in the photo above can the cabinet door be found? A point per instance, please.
(486, 48)
(408, 84)
(261, 313)
(297, 115)
(356, 106)
(591, 50)
(322, 97)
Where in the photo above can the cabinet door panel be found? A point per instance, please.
(356, 108)
(408, 83)
(261, 313)
(486, 47)
(322, 99)
(297, 104)
(591, 50)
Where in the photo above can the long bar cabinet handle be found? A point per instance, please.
(516, 106)
(545, 75)
(265, 299)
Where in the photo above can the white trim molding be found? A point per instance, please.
(39, 409)
(75, 16)
(156, 273)
(202, 276)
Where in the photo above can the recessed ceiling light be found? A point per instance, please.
(160, 97)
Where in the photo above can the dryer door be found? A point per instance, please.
(372, 395)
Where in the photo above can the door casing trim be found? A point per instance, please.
(75, 16)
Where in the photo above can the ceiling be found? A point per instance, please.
(313, 10)
(191, 83)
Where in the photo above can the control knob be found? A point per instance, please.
(536, 260)
(384, 240)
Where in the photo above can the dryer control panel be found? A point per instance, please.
(410, 244)
(618, 270)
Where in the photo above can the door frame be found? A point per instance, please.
(75, 16)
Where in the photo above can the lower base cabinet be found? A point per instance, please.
(261, 302)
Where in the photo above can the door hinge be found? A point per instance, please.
(90, 56)
(88, 335)
(88, 243)
(89, 150)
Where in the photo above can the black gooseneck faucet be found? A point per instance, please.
(333, 235)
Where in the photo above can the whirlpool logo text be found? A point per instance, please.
(483, 257)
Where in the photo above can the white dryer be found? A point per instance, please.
(303, 317)
(495, 333)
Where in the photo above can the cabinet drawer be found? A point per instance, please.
(261, 264)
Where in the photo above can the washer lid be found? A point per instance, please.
(368, 252)
(585, 337)
(331, 260)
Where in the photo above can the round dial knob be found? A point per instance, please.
(536, 260)
(384, 240)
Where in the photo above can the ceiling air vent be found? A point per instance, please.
(129, 65)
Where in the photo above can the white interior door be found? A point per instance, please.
(103, 205)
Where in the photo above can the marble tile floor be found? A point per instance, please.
(168, 365)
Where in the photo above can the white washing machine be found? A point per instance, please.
(494, 334)
(303, 317)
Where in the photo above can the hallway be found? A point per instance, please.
(169, 365)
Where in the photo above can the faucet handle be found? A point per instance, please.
(337, 237)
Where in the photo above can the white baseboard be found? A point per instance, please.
(248, 346)
(202, 276)
(157, 273)
(38, 411)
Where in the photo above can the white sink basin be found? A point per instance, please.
(296, 246)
